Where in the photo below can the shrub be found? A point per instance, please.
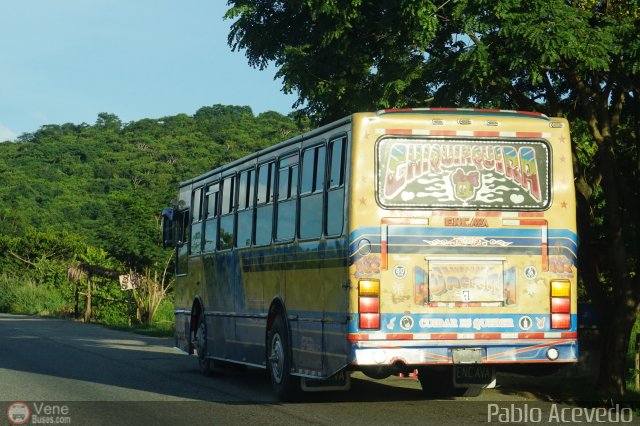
(25, 297)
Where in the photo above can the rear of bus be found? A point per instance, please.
(462, 244)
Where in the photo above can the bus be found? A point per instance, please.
(435, 240)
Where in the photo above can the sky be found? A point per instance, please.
(66, 61)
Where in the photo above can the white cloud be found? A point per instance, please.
(6, 134)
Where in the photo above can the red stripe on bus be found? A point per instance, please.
(486, 133)
(357, 336)
(530, 214)
(531, 335)
(533, 222)
(398, 131)
(400, 336)
(444, 336)
(488, 214)
(443, 132)
(528, 134)
(488, 335)
(456, 336)
(536, 114)
(545, 257)
(383, 255)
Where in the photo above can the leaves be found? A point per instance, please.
(92, 194)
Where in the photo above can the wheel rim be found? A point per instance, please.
(277, 358)
(201, 337)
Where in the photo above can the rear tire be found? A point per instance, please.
(279, 361)
(200, 343)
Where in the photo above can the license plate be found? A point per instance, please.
(468, 355)
(465, 375)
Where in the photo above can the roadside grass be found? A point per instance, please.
(26, 297)
(162, 325)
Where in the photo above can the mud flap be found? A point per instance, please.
(341, 381)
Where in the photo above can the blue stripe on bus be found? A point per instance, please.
(403, 239)
(465, 323)
(459, 231)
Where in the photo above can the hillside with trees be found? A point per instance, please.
(80, 204)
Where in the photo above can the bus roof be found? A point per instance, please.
(465, 111)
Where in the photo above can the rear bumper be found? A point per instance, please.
(423, 352)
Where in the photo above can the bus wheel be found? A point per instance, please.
(286, 386)
(200, 343)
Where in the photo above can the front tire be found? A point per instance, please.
(285, 385)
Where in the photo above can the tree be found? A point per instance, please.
(579, 59)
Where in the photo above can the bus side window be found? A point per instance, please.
(264, 211)
(227, 215)
(287, 198)
(245, 208)
(335, 194)
(183, 242)
(196, 222)
(211, 224)
(312, 192)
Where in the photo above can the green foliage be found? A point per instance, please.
(105, 184)
(351, 55)
(86, 199)
(25, 297)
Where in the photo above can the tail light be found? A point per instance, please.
(560, 304)
(369, 304)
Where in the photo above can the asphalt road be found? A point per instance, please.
(74, 373)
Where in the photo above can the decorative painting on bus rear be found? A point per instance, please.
(463, 174)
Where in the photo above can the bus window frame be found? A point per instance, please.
(318, 190)
(294, 197)
(183, 231)
(216, 216)
(273, 161)
(252, 183)
(549, 174)
(342, 186)
(233, 209)
(193, 222)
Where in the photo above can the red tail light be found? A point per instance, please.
(560, 321)
(560, 304)
(370, 321)
(369, 304)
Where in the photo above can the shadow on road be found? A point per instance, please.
(71, 358)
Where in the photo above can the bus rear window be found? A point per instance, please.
(463, 174)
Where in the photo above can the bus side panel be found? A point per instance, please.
(219, 280)
(316, 306)
(182, 311)
(335, 347)
(251, 307)
(306, 273)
